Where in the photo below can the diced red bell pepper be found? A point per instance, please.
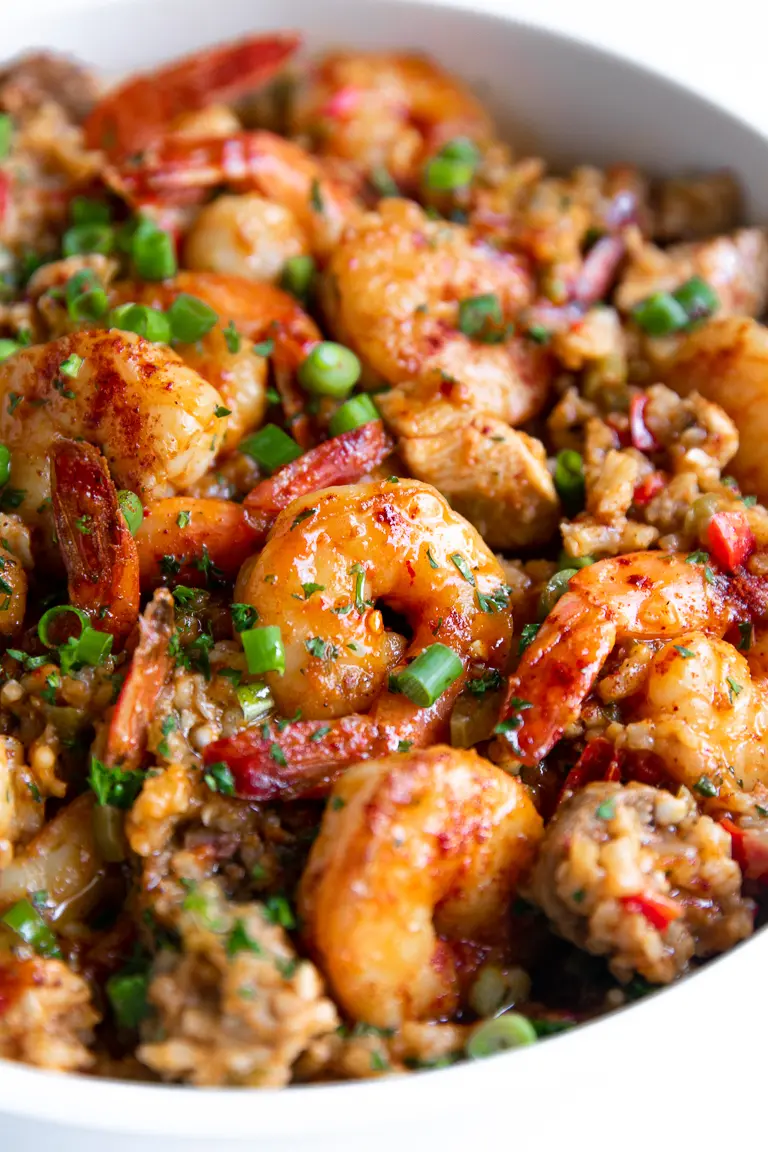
(642, 437)
(658, 910)
(730, 538)
(5, 193)
(749, 847)
(648, 488)
(598, 761)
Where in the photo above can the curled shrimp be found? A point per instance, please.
(259, 313)
(386, 110)
(643, 595)
(199, 534)
(134, 114)
(150, 667)
(393, 291)
(178, 170)
(416, 852)
(152, 416)
(332, 561)
(97, 546)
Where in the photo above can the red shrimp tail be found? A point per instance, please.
(342, 460)
(150, 668)
(96, 544)
(303, 760)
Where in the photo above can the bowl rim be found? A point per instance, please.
(76, 1100)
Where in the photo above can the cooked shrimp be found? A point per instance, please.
(259, 312)
(134, 114)
(150, 667)
(245, 235)
(152, 416)
(415, 852)
(392, 293)
(179, 170)
(331, 560)
(726, 361)
(638, 875)
(644, 595)
(201, 535)
(387, 110)
(97, 546)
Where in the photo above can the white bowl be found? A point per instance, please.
(675, 1067)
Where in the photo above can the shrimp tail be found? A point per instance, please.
(135, 113)
(150, 668)
(304, 760)
(556, 674)
(341, 460)
(98, 549)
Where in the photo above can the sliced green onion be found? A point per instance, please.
(52, 614)
(8, 348)
(433, 670)
(131, 508)
(264, 650)
(71, 366)
(5, 464)
(353, 413)
(660, 315)
(577, 562)
(83, 210)
(298, 275)
(255, 700)
(555, 587)
(154, 254)
(698, 298)
(477, 312)
(569, 480)
(508, 1031)
(127, 993)
(85, 296)
(330, 370)
(109, 833)
(84, 239)
(190, 318)
(93, 646)
(453, 167)
(6, 134)
(25, 920)
(132, 231)
(148, 322)
(270, 447)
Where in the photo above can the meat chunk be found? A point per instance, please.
(235, 1006)
(735, 265)
(636, 874)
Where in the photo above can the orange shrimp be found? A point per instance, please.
(178, 170)
(643, 595)
(149, 670)
(202, 536)
(98, 549)
(355, 547)
(135, 113)
(260, 313)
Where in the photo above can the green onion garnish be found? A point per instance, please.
(190, 318)
(154, 254)
(569, 480)
(433, 670)
(8, 348)
(453, 167)
(330, 370)
(508, 1031)
(148, 322)
(270, 447)
(555, 587)
(131, 508)
(297, 277)
(5, 464)
(6, 134)
(255, 700)
(127, 993)
(83, 210)
(660, 314)
(52, 614)
(480, 317)
(85, 296)
(86, 238)
(353, 413)
(698, 298)
(25, 920)
(264, 650)
(71, 366)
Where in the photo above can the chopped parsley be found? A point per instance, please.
(686, 653)
(117, 787)
(490, 681)
(322, 649)
(239, 941)
(183, 519)
(460, 563)
(219, 778)
(232, 337)
(243, 617)
(301, 517)
(277, 910)
(705, 787)
(310, 589)
(527, 637)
